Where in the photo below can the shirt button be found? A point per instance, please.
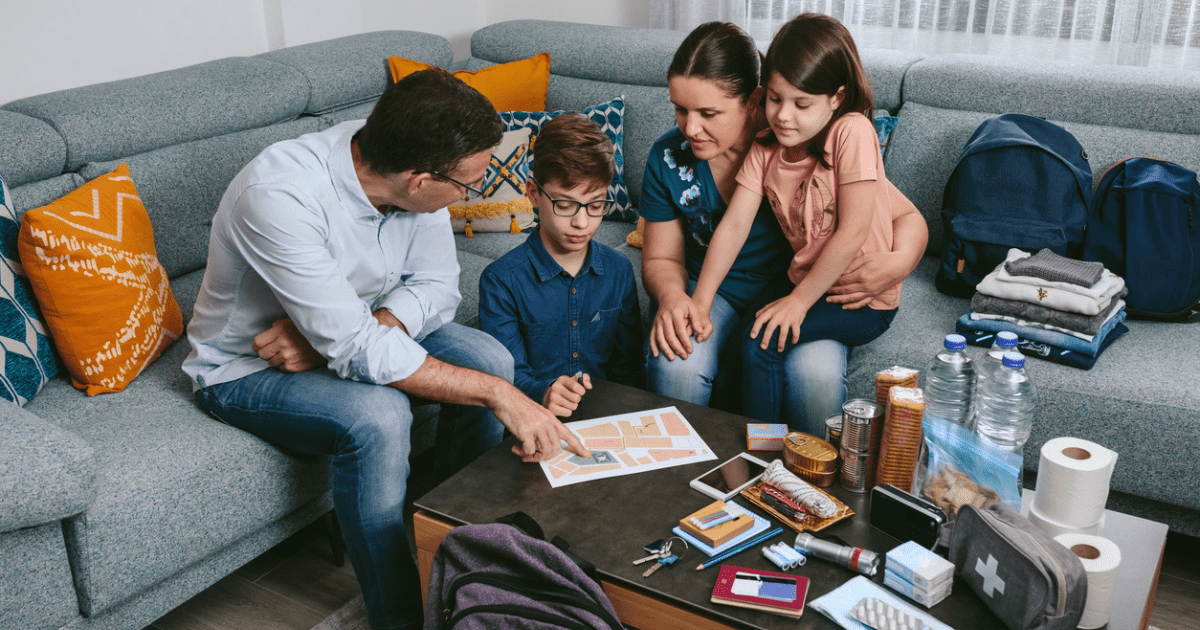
(574, 355)
(574, 323)
(572, 290)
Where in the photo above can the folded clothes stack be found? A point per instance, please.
(1066, 311)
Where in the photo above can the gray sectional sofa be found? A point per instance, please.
(117, 508)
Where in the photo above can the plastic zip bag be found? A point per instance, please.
(964, 470)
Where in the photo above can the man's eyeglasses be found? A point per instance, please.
(469, 193)
(570, 207)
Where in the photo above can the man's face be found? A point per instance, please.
(564, 235)
(439, 192)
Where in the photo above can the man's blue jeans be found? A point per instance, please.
(366, 429)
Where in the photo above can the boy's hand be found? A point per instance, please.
(786, 314)
(564, 394)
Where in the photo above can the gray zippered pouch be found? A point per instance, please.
(1030, 581)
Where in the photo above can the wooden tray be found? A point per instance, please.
(810, 523)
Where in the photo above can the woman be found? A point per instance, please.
(714, 85)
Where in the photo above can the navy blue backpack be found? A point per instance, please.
(1145, 227)
(1020, 182)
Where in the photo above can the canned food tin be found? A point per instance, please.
(810, 458)
(833, 430)
(858, 471)
(862, 426)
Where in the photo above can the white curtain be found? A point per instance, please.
(1160, 33)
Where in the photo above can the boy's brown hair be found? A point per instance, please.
(572, 150)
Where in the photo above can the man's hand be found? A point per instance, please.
(867, 276)
(564, 394)
(787, 314)
(677, 319)
(540, 433)
(283, 347)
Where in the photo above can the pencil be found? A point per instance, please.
(740, 548)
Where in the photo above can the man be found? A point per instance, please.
(335, 249)
(561, 303)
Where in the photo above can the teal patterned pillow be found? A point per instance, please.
(26, 354)
(611, 118)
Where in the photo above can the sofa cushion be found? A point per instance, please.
(885, 71)
(37, 593)
(107, 121)
(353, 69)
(27, 358)
(32, 149)
(181, 197)
(1136, 400)
(1153, 99)
(173, 485)
(516, 85)
(46, 472)
(36, 194)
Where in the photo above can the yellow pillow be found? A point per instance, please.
(516, 85)
(637, 237)
(106, 299)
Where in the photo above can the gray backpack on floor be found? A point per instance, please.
(496, 576)
(1030, 581)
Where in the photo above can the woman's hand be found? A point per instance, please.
(786, 314)
(867, 276)
(678, 318)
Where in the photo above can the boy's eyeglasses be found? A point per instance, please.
(469, 193)
(570, 207)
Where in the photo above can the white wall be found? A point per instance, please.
(53, 45)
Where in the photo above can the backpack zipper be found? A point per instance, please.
(529, 589)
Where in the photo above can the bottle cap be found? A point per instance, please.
(1007, 339)
(955, 342)
(1014, 360)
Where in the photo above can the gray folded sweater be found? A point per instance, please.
(1050, 266)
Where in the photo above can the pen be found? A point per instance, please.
(740, 548)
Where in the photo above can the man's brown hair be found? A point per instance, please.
(572, 150)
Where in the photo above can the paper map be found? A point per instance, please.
(626, 444)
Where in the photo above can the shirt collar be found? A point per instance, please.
(345, 178)
(545, 265)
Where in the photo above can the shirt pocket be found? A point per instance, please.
(601, 330)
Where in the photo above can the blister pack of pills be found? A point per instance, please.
(882, 616)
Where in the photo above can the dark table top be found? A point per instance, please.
(609, 520)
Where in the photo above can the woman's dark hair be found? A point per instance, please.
(817, 55)
(427, 121)
(722, 53)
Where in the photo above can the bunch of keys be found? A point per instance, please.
(660, 551)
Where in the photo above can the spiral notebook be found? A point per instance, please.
(777, 593)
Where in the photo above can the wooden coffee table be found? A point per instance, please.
(608, 521)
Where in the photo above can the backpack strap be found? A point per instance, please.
(525, 523)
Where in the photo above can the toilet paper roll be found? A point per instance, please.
(1053, 528)
(1072, 483)
(1101, 559)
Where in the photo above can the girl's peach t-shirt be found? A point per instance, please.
(803, 194)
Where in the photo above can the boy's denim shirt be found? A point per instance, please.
(556, 325)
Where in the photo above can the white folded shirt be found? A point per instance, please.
(1063, 296)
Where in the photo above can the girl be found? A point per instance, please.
(820, 169)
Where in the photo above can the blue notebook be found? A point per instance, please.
(760, 525)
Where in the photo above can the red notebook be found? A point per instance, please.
(777, 593)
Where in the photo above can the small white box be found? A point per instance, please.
(919, 566)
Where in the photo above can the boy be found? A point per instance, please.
(565, 307)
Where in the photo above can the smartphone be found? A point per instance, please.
(906, 517)
(731, 477)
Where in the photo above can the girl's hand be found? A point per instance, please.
(786, 314)
(674, 325)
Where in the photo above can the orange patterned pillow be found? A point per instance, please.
(513, 86)
(91, 261)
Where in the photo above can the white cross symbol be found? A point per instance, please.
(991, 581)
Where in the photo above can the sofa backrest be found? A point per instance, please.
(186, 133)
(591, 64)
(1114, 111)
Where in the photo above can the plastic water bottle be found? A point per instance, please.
(990, 363)
(950, 383)
(1006, 403)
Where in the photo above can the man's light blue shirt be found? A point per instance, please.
(295, 236)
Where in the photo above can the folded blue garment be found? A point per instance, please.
(1052, 337)
(985, 339)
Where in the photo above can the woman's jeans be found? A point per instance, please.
(366, 429)
(768, 374)
(816, 371)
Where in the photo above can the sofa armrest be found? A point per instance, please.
(46, 473)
